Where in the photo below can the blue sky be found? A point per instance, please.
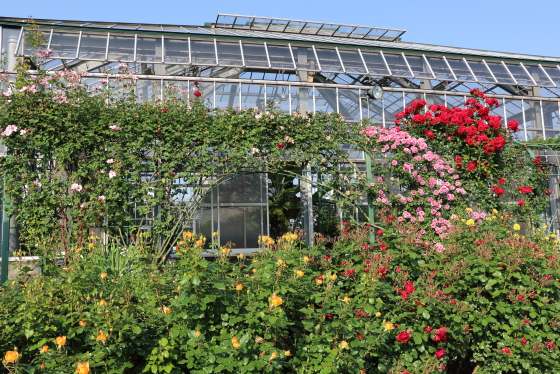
(520, 26)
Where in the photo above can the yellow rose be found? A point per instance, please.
(516, 227)
(103, 275)
(11, 356)
(287, 353)
(276, 300)
(300, 273)
(224, 250)
(187, 235)
(318, 281)
(552, 235)
(45, 349)
(334, 276)
(91, 245)
(235, 342)
(102, 302)
(180, 242)
(470, 222)
(344, 344)
(273, 355)
(82, 323)
(389, 326)
(305, 258)
(468, 209)
(215, 233)
(200, 243)
(494, 211)
(83, 368)
(241, 255)
(197, 334)
(378, 314)
(239, 287)
(346, 299)
(101, 336)
(280, 262)
(61, 340)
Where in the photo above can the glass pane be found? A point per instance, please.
(514, 111)
(93, 46)
(280, 57)
(480, 70)
(500, 72)
(254, 219)
(393, 102)
(302, 99)
(203, 52)
(278, 94)
(148, 49)
(349, 104)
(121, 48)
(64, 44)
(325, 100)
(418, 66)
(352, 61)
(207, 90)
(553, 73)
(252, 95)
(375, 63)
(176, 89)
(551, 121)
(255, 55)
(538, 75)
(373, 109)
(435, 100)
(519, 74)
(533, 120)
(460, 69)
(148, 90)
(455, 101)
(397, 65)
(176, 51)
(227, 95)
(229, 54)
(328, 58)
(305, 58)
(232, 226)
(440, 68)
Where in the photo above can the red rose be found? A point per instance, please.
(360, 336)
(403, 336)
(440, 352)
(548, 192)
(513, 125)
(467, 328)
(195, 83)
(523, 341)
(507, 351)
(164, 110)
(428, 329)
(408, 287)
(379, 232)
(525, 189)
(280, 145)
(441, 335)
(521, 202)
(501, 181)
(197, 94)
(472, 166)
(498, 190)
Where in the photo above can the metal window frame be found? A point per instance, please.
(242, 58)
(316, 57)
(429, 66)
(134, 53)
(490, 70)
(107, 47)
(472, 72)
(363, 62)
(216, 52)
(162, 49)
(267, 56)
(542, 119)
(408, 65)
(20, 39)
(528, 74)
(190, 50)
(79, 45)
(386, 64)
(341, 63)
(548, 76)
(451, 70)
(50, 39)
(509, 72)
(292, 54)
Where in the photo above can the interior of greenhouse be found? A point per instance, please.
(363, 73)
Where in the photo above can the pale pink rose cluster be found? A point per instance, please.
(9, 130)
(76, 187)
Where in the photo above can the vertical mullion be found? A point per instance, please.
(135, 47)
(51, 35)
(360, 104)
(240, 95)
(290, 98)
(163, 49)
(107, 46)
(79, 45)
(542, 120)
(190, 50)
(20, 39)
(216, 51)
(242, 54)
(524, 121)
(337, 101)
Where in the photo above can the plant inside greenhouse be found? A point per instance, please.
(423, 244)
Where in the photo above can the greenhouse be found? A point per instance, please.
(246, 62)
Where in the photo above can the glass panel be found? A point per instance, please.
(533, 119)
(255, 55)
(252, 95)
(229, 54)
(227, 95)
(254, 218)
(203, 52)
(176, 51)
(302, 99)
(328, 58)
(551, 120)
(538, 75)
(305, 58)
(373, 109)
(440, 68)
(397, 65)
(519, 74)
(207, 90)
(514, 112)
(456, 101)
(121, 48)
(232, 226)
(553, 73)
(280, 57)
(461, 70)
(325, 100)
(279, 95)
(148, 90)
(352, 61)
(178, 89)
(207, 221)
(148, 49)
(500, 72)
(393, 102)
(349, 104)
(480, 70)
(93, 46)
(418, 66)
(435, 100)
(375, 63)
(64, 44)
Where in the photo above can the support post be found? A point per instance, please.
(306, 195)
(5, 236)
(371, 211)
